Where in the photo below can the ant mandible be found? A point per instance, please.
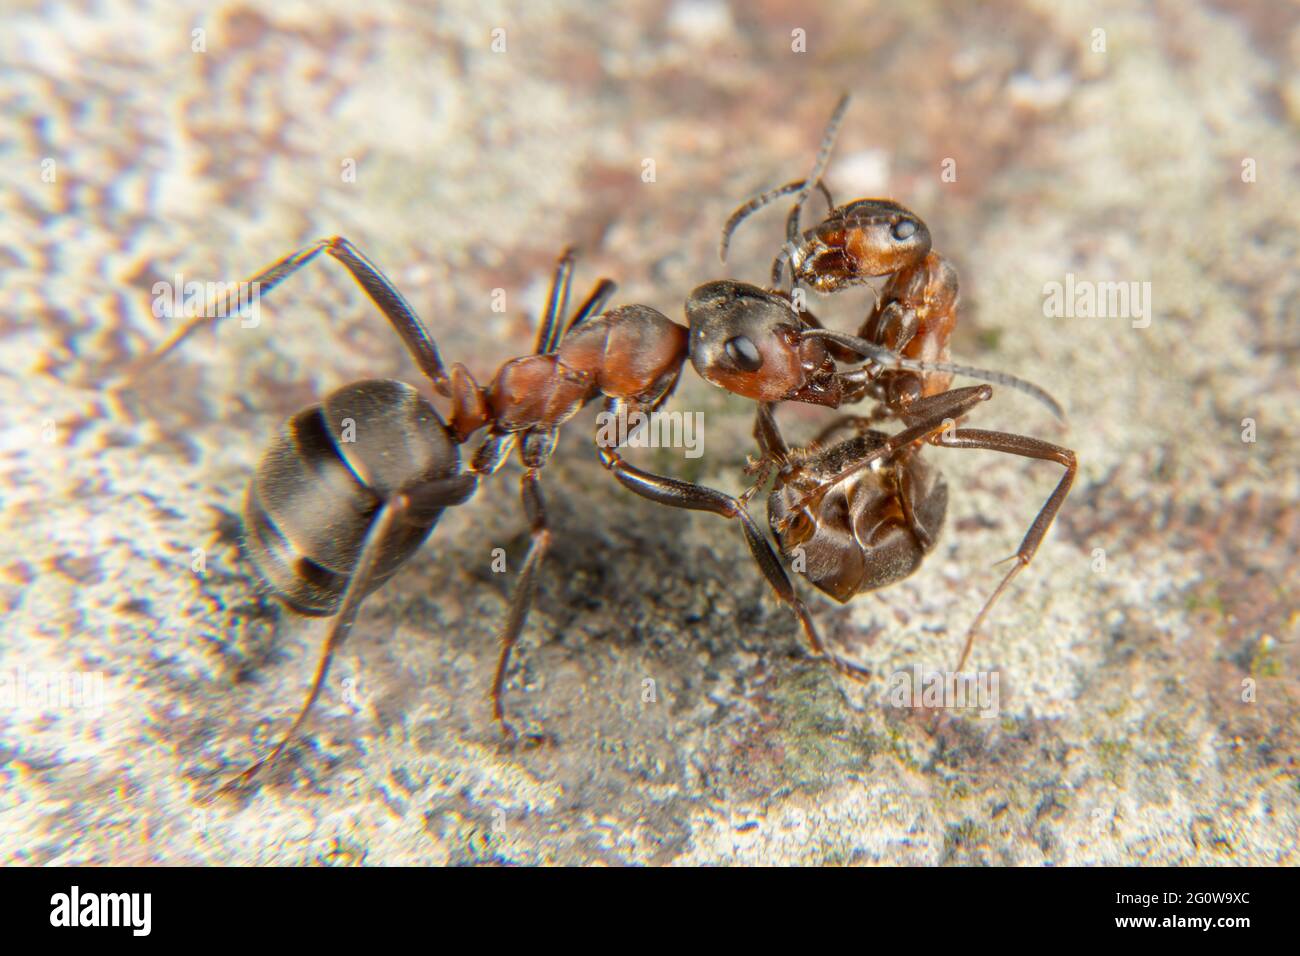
(863, 512)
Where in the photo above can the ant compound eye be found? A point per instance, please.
(743, 354)
(904, 229)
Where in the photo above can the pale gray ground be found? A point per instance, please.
(1123, 735)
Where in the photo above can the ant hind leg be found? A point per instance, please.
(537, 448)
(1025, 447)
(375, 284)
(410, 505)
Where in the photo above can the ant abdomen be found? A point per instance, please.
(872, 529)
(324, 478)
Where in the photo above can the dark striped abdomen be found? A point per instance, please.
(323, 480)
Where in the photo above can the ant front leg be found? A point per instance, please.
(1025, 447)
(682, 494)
(859, 423)
(375, 284)
(891, 324)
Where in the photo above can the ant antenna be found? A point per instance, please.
(761, 200)
(819, 167)
(803, 187)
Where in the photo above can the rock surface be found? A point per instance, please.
(1147, 661)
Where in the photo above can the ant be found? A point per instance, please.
(864, 512)
(351, 487)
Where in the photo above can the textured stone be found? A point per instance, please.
(1122, 735)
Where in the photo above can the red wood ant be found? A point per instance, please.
(331, 515)
(863, 512)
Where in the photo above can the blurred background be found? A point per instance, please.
(1147, 659)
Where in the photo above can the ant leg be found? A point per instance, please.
(923, 409)
(890, 324)
(859, 423)
(771, 442)
(682, 494)
(537, 448)
(557, 304)
(907, 496)
(492, 453)
(1025, 447)
(375, 284)
(551, 332)
(758, 202)
(940, 413)
(404, 507)
(594, 305)
(772, 450)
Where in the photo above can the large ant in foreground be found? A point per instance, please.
(351, 487)
(865, 511)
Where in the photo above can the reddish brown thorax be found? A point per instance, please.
(536, 390)
(929, 292)
(633, 353)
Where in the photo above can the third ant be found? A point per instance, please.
(862, 513)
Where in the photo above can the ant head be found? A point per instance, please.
(865, 239)
(749, 341)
